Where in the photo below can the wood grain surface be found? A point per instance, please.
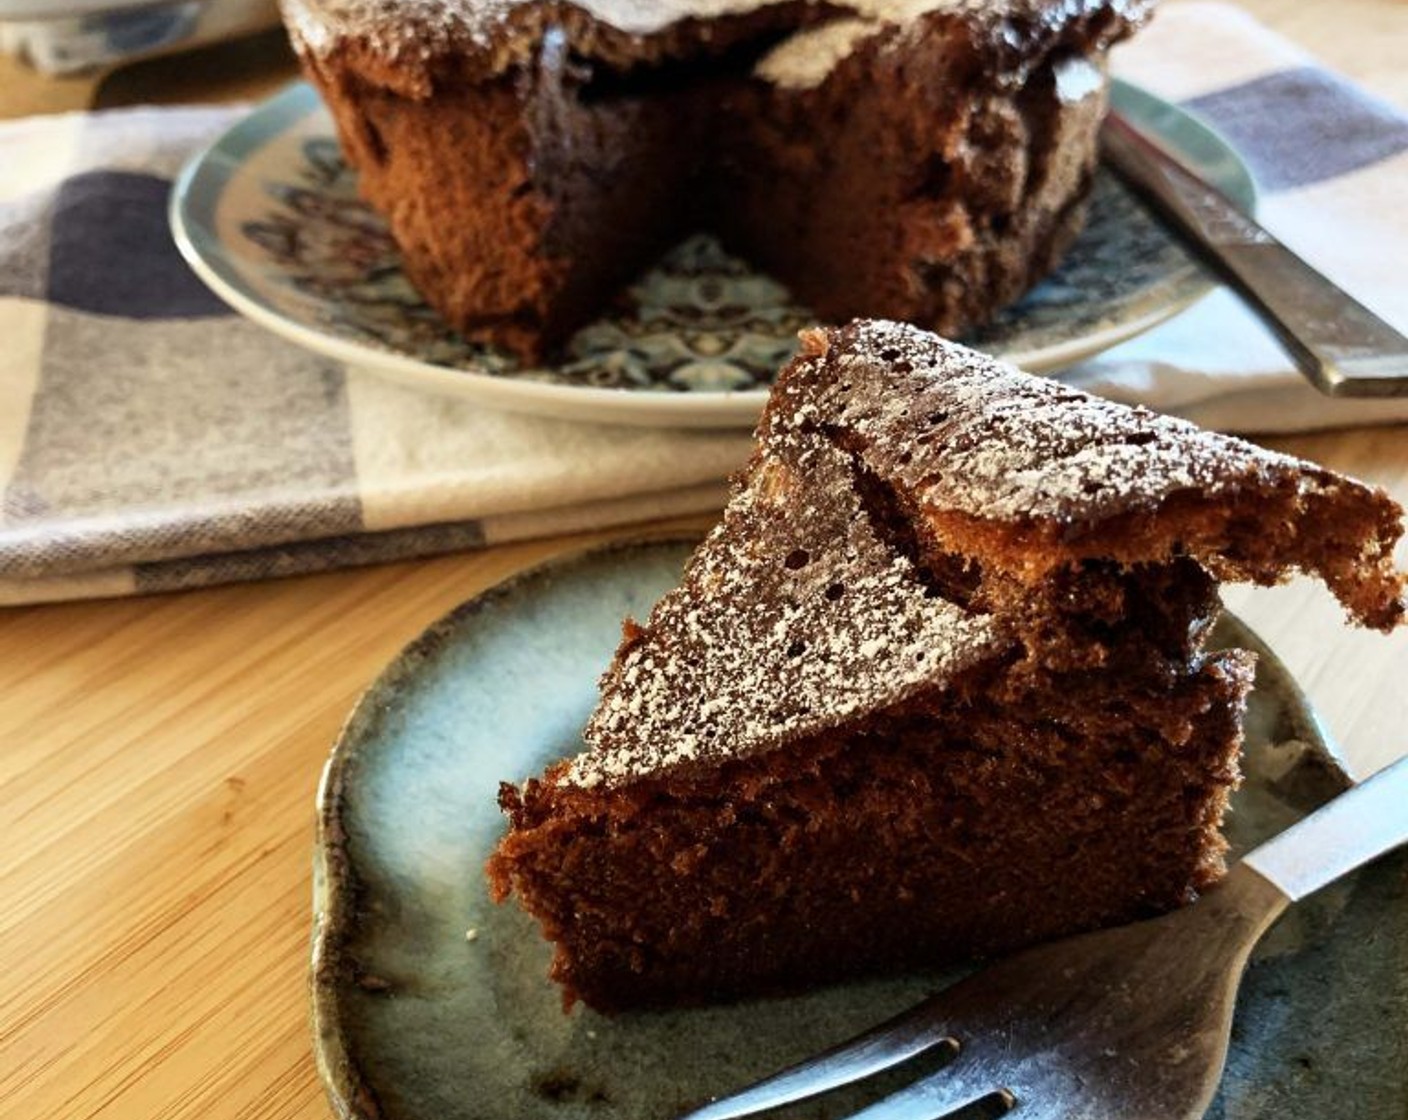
(158, 757)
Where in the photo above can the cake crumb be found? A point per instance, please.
(815, 342)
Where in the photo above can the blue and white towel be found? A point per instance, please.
(151, 440)
(1330, 164)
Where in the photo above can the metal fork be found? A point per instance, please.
(1129, 1023)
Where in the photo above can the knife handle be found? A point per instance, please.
(1342, 347)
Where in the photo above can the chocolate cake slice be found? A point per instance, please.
(934, 687)
(925, 160)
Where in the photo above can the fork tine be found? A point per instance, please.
(896, 1040)
(935, 1096)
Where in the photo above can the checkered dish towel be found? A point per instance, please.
(152, 440)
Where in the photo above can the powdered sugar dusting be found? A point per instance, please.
(478, 19)
(804, 60)
(792, 617)
(404, 29)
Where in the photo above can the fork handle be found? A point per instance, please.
(1356, 826)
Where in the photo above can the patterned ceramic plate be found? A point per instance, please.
(415, 1021)
(269, 217)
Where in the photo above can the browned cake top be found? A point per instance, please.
(413, 33)
(1025, 473)
(960, 431)
(805, 608)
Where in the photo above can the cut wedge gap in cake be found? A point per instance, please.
(920, 159)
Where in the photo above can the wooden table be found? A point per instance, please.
(158, 756)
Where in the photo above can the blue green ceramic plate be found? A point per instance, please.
(270, 218)
(414, 1020)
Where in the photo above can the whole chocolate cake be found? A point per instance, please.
(934, 687)
(918, 159)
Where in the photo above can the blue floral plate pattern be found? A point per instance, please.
(270, 217)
